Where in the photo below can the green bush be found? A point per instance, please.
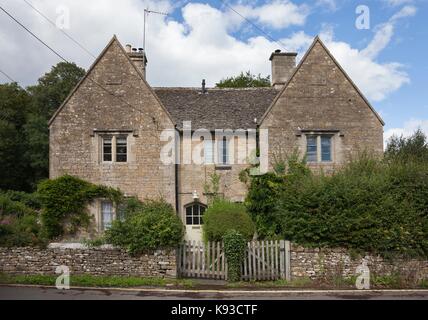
(234, 250)
(20, 231)
(369, 205)
(223, 216)
(156, 226)
(13, 208)
(65, 199)
(31, 200)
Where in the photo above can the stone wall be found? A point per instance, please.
(94, 261)
(320, 264)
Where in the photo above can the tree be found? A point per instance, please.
(54, 87)
(14, 104)
(244, 80)
(413, 148)
(47, 96)
(24, 134)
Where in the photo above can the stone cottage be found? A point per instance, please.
(115, 129)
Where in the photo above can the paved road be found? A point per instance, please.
(34, 293)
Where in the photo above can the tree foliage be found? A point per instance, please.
(413, 148)
(14, 108)
(24, 116)
(244, 80)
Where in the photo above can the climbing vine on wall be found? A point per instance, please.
(64, 203)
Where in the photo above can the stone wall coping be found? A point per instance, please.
(77, 246)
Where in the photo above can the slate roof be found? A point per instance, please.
(218, 108)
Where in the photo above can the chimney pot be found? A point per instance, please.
(204, 90)
(128, 48)
(138, 57)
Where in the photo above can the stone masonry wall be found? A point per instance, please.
(320, 98)
(323, 263)
(93, 261)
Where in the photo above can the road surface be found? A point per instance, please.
(49, 293)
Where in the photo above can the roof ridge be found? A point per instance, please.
(214, 88)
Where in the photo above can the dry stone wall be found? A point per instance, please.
(93, 261)
(321, 264)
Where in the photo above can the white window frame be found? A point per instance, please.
(114, 137)
(191, 205)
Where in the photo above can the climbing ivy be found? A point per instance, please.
(64, 202)
(234, 249)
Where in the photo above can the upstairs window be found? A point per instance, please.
(326, 148)
(194, 213)
(311, 149)
(114, 148)
(223, 151)
(319, 148)
(209, 151)
(107, 149)
(121, 149)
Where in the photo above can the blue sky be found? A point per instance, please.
(206, 39)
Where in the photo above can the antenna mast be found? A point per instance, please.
(146, 14)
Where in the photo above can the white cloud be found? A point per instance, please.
(395, 3)
(407, 11)
(277, 14)
(407, 130)
(330, 4)
(182, 53)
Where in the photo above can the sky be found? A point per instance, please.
(381, 44)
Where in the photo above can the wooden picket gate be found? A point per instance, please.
(264, 260)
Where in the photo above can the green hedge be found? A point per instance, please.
(370, 205)
(223, 216)
(154, 226)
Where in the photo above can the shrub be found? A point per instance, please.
(369, 205)
(20, 231)
(65, 199)
(31, 200)
(13, 208)
(156, 226)
(234, 250)
(223, 216)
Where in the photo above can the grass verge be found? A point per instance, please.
(97, 281)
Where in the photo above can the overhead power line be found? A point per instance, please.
(65, 60)
(7, 76)
(61, 30)
(30, 32)
(254, 25)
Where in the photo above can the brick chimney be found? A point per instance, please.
(283, 65)
(137, 57)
